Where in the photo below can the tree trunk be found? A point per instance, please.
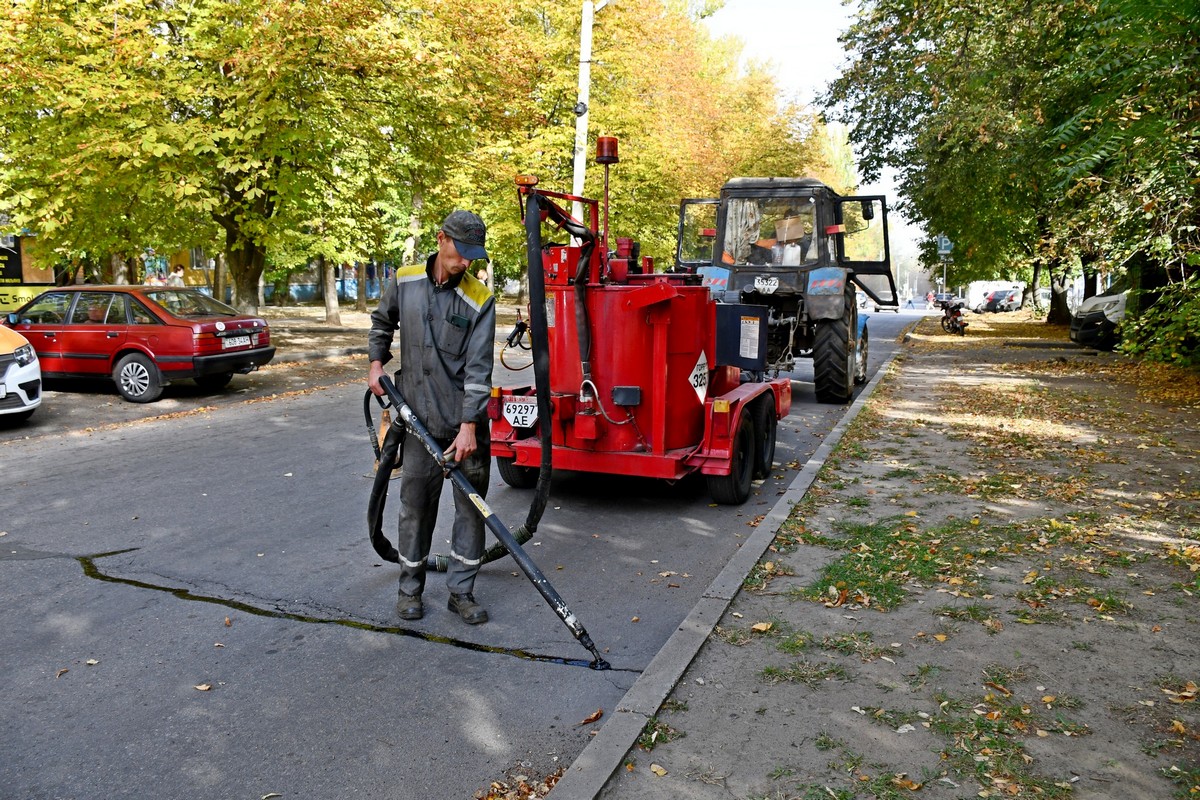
(246, 260)
(414, 230)
(1060, 311)
(360, 295)
(333, 314)
(119, 266)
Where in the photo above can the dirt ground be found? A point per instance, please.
(991, 591)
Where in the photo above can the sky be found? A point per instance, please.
(799, 40)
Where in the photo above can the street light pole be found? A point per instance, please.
(581, 108)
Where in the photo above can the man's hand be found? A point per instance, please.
(463, 445)
(376, 372)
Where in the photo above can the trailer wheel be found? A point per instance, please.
(517, 476)
(734, 488)
(833, 356)
(765, 425)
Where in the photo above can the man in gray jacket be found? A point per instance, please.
(446, 320)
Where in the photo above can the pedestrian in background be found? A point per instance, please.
(446, 322)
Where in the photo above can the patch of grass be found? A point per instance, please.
(858, 502)
(826, 742)
(1187, 781)
(973, 612)
(737, 637)
(901, 472)
(804, 672)
(673, 705)
(924, 673)
(795, 643)
(858, 644)
(886, 555)
(657, 732)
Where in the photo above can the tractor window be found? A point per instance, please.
(697, 232)
(777, 231)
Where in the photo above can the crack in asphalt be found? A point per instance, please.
(91, 570)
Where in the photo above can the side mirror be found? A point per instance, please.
(13, 317)
(868, 210)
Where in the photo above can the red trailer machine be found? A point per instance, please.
(648, 374)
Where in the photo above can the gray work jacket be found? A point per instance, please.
(447, 340)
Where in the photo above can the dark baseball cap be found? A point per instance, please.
(468, 232)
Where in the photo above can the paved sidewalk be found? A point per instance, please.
(983, 585)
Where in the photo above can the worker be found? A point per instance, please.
(446, 321)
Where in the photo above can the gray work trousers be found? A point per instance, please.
(420, 491)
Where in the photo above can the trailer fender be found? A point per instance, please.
(721, 419)
(824, 295)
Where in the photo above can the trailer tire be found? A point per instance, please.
(833, 357)
(765, 426)
(734, 488)
(517, 476)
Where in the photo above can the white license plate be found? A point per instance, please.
(521, 413)
(235, 341)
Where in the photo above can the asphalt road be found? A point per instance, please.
(190, 607)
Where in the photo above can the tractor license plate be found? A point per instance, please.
(521, 413)
(235, 341)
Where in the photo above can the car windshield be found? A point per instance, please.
(189, 303)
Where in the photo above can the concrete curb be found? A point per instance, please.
(588, 774)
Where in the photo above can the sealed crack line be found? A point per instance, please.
(88, 564)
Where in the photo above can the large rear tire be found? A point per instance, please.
(515, 475)
(734, 488)
(833, 356)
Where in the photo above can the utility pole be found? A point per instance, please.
(581, 107)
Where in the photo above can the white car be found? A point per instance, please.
(20, 377)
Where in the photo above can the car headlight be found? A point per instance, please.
(25, 355)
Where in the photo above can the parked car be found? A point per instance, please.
(1096, 320)
(1003, 300)
(20, 377)
(143, 337)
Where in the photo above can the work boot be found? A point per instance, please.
(410, 606)
(465, 606)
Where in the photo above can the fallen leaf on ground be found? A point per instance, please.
(61, 672)
(658, 770)
(595, 715)
(203, 687)
(761, 627)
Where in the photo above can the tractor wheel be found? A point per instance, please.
(765, 425)
(833, 357)
(517, 476)
(734, 488)
(860, 359)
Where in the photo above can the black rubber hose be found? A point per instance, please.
(493, 523)
(540, 339)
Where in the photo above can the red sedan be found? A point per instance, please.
(143, 337)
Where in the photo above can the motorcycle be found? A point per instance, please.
(952, 317)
